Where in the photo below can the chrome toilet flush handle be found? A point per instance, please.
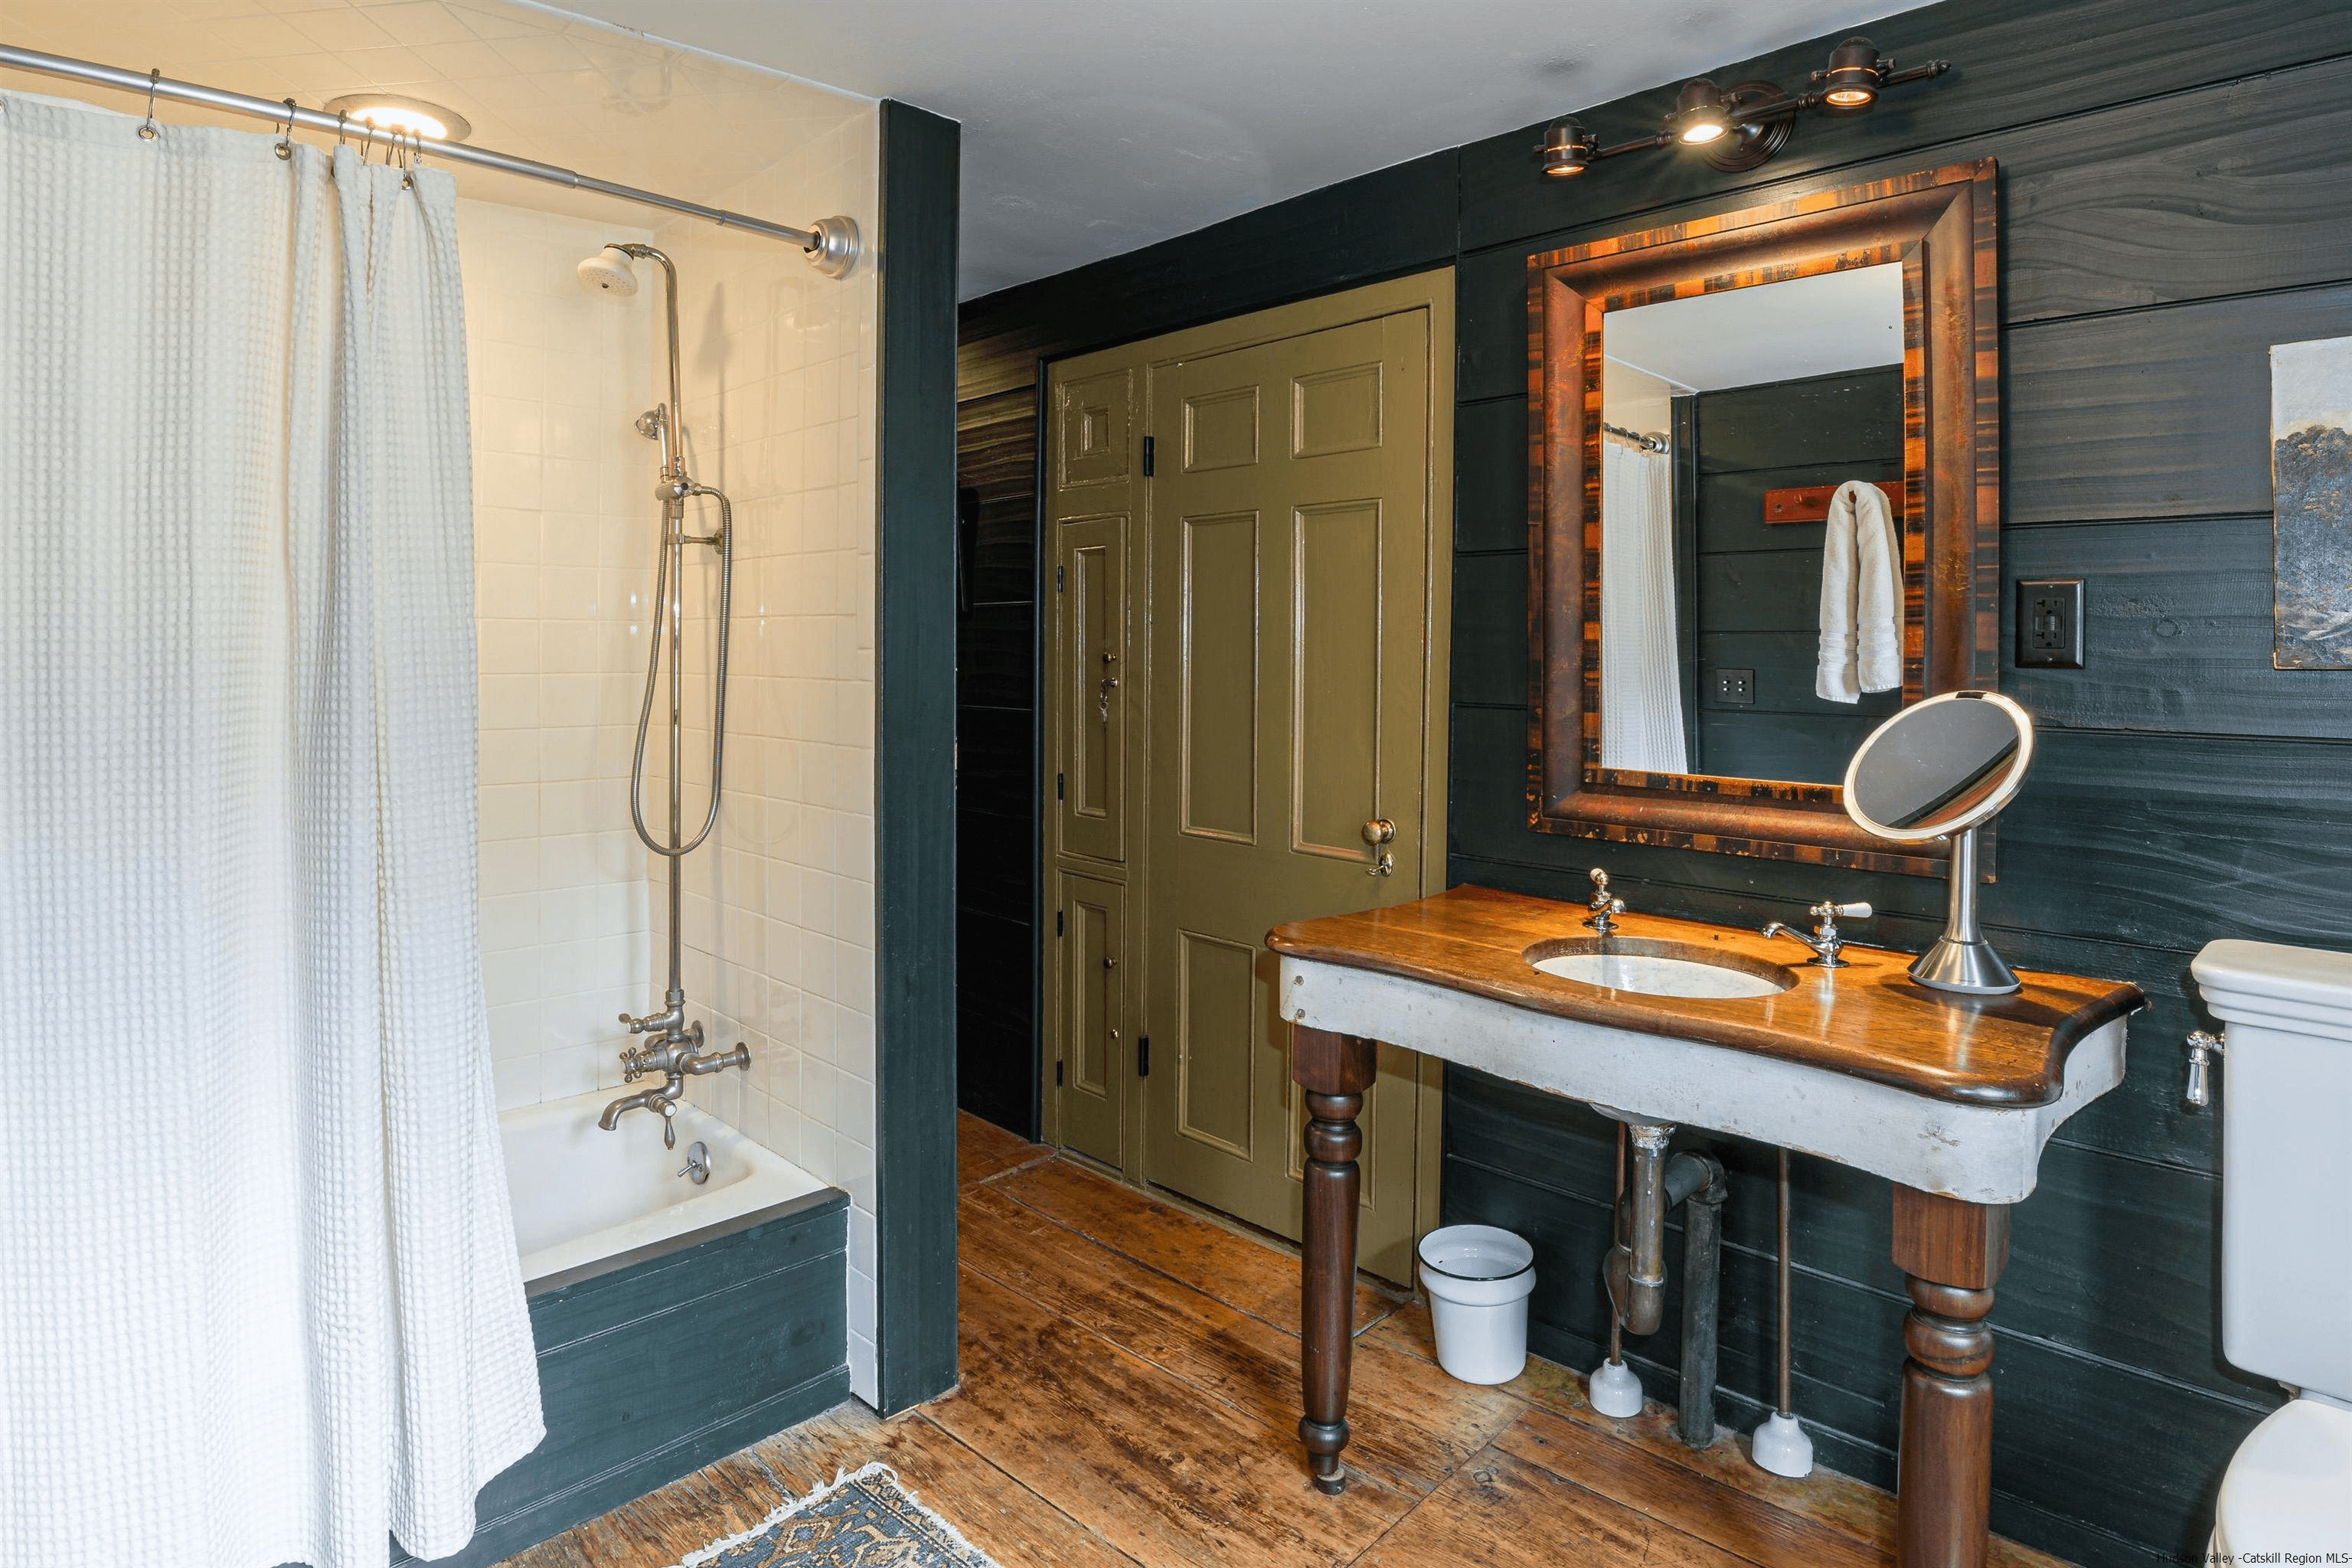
(2204, 1056)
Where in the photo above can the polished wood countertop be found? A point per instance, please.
(1869, 1019)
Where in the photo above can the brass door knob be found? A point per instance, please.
(1380, 830)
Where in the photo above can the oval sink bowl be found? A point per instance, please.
(1653, 968)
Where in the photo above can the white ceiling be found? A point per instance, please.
(533, 81)
(1093, 127)
(1778, 331)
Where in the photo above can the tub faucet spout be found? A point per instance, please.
(663, 1099)
(677, 1057)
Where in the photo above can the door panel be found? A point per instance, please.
(1214, 993)
(1092, 421)
(1092, 1023)
(1335, 688)
(1091, 567)
(1216, 593)
(1288, 557)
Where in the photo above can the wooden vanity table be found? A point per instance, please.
(1951, 1098)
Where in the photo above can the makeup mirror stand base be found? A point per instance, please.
(1962, 961)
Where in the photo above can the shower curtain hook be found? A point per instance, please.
(148, 132)
(410, 148)
(339, 128)
(286, 141)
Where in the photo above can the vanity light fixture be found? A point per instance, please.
(1568, 148)
(402, 116)
(1742, 126)
(1699, 115)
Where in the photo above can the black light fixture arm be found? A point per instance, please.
(1746, 125)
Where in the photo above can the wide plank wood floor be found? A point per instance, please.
(1130, 1400)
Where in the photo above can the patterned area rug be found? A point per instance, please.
(862, 1520)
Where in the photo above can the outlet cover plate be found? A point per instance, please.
(2050, 623)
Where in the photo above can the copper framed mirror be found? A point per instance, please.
(1764, 510)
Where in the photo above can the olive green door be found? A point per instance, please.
(1290, 542)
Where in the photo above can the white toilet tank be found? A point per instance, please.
(2286, 1160)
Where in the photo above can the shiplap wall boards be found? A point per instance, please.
(2177, 198)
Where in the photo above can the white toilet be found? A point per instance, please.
(2286, 1243)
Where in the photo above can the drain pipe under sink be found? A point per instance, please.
(1635, 1274)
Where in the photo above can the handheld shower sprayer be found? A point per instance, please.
(676, 1048)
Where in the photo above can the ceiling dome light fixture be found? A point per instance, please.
(402, 116)
(1744, 127)
(1568, 148)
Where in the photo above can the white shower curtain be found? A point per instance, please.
(259, 1300)
(1641, 670)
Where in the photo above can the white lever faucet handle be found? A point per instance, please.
(1851, 912)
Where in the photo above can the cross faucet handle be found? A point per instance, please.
(1605, 907)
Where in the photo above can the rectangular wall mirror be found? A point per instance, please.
(1766, 513)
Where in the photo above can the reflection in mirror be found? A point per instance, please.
(1936, 768)
(1751, 560)
(1943, 768)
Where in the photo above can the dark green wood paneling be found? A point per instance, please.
(1490, 629)
(1731, 505)
(914, 763)
(1762, 590)
(1808, 748)
(1785, 663)
(1850, 417)
(1490, 475)
(2173, 203)
(652, 1371)
(2156, 413)
(2177, 633)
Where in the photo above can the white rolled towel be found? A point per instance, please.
(1862, 596)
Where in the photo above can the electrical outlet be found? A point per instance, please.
(1737, 686)
(2050, 623)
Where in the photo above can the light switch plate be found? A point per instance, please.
(1735, 686)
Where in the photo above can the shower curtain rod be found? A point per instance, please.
(817, 241)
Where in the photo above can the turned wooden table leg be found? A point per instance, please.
(1334, 1070)
(1953, 1252)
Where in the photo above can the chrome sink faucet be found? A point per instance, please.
(1605, 908)
(676, 1054)
(1825, 942)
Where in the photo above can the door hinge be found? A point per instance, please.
(1057, 923)
(1143, 1056)
(1057, 1075)
(1058, 786)
(1147, 456)
(1058, 579)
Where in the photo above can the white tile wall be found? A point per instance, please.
(780, 378)
(564, 543)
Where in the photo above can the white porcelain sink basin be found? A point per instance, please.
(1633, 964)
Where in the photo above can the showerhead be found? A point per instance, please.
(609, 271)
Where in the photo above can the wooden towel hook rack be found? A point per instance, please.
(1810, 503)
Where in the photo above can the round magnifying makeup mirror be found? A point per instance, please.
(1941, 769)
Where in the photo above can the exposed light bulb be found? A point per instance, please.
(403, 121)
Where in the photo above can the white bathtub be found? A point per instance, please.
(584, 1197)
